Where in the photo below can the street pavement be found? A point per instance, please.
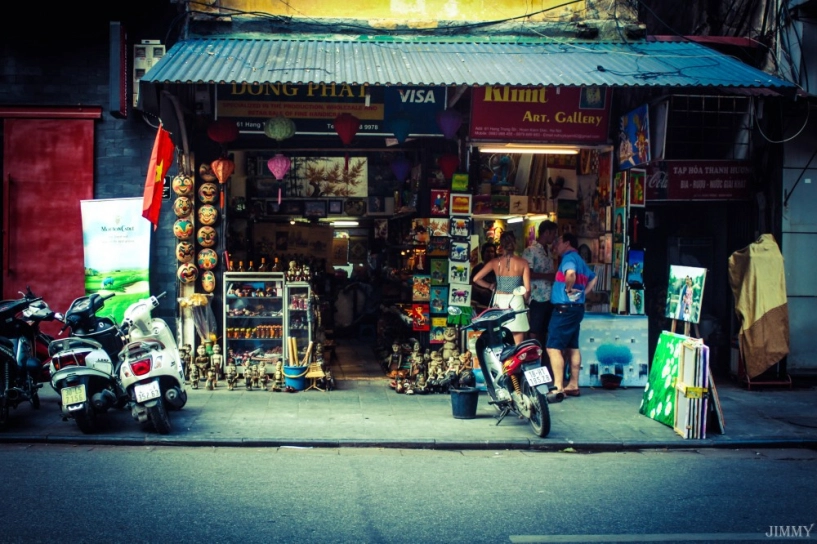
(363, 411)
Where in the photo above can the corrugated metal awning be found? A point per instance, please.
(378, 61)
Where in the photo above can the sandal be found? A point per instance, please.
(555, 396)
(573, 392)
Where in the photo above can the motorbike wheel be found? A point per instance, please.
(159, 417)
(86, 419)
(540, 413)
(4, 402)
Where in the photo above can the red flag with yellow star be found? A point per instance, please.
(160, 160)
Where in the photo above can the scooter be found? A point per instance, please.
(83, 366)
(151, 370)
(21, 356)
(515, 378)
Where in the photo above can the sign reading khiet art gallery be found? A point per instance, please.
(540, 114)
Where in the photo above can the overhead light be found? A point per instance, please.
(517, 219)
(291, 221)
(528, 148)
(345, 223)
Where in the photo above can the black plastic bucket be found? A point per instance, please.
(464, 402)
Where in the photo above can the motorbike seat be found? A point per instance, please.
(507, 351)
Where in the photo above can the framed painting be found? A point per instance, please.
(439, 271)
(459, 294)
(438, 299)
(459, 272)
(438, 246)
(355, 207)
(460, 204)
(459, 227)
(377, 205)
(637, 188)
(439, 202)
(335, 207)
(438, 325)
(459, 182)
(315, 209)
(459, 251)
(635, 267)
(420, 288)
(420, 318)
(291, 207)
(685, 293)
(438, 226)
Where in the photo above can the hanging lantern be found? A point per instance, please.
(223, 168)
(279, 128)
(346, 125)
(400, 126)
(223, 131)
(448, 164)
(279, 166)
(449, 122)
(401, 167)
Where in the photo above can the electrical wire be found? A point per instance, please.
(785, 140)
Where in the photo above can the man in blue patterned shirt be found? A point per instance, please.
(542, 272)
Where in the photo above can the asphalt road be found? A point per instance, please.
(63, 493)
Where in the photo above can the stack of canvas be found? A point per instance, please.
(677, 392)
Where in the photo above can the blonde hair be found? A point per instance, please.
(507, 241)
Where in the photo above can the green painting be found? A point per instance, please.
(659, 393)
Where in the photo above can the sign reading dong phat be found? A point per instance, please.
(553, 114)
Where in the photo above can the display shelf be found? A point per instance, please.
(299, 319)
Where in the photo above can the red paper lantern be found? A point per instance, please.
(223, 131)
(449, 122)
(223, 168)
(448, 164)
(346, 125)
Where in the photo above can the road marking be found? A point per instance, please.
(677, 537)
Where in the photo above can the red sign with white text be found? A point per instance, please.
(698, 180)
(540, 114)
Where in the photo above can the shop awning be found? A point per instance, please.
(392, 61)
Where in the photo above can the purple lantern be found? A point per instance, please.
(449, 122)
(279, 166)
(401, 167)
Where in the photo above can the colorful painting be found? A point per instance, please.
(459, 227)
(439, 202)
(439, 271)
(460, 204)
(459, 294)
(481, 204)
(329, 176)
(420, 287)
(637, 188)
(420, 230)
(685, 292)
(658, 402)
(438, 325)
(381, 229)
(438, 301)
(459, 272)
(420, 317)
(634, 138)
(620, 189)
(459, 251)
(618, 225)
(635, 267)
(459, 182)
(637, 301)
(377, 205)
(438, 226)
(618, 259)
(438, 246)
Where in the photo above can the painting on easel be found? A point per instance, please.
(685, 293)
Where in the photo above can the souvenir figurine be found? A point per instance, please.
(249, 373)
(232, 374)
(185, 355)
(202, 363)
(278, 377)
(449, 343)
(261, 378)
(194, 376)
(394, 360)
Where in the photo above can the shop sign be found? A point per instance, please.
(313, 107)
(698, 180)
(534, 114)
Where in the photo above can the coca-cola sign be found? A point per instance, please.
(698, 180)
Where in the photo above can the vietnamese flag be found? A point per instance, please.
(160, 160)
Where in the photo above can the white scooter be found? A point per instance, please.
(150, 366)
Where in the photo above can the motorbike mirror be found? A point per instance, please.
(455, 310)
(519, 291)
(59, 316)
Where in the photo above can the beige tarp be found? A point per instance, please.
(758, 283)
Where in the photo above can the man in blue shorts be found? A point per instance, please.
(574, 279)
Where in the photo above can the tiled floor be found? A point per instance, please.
(355, 361)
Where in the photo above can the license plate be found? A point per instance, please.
(73, 395)
(146, 391)
(538, 376)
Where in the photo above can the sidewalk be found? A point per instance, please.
(367, 413)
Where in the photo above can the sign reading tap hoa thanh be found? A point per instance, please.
(538, 114)
(698, 180)
(314, 106)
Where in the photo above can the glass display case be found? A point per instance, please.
(254, 318)
(299, 321)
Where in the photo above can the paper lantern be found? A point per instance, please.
(279, 166)
(400, 126)
(449, 122)
(223, 168)
(346, 125)
(401, 167)
(223, 131)
(279, 128)
(448, 164)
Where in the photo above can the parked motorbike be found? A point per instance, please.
(151, 369)
(515, 378)
(83, 366)
(21, 351)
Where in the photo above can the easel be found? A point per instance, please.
(714, 410)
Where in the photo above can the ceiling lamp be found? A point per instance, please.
(539, 149)
(449, 122)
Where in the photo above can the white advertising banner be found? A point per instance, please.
(116, 239)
